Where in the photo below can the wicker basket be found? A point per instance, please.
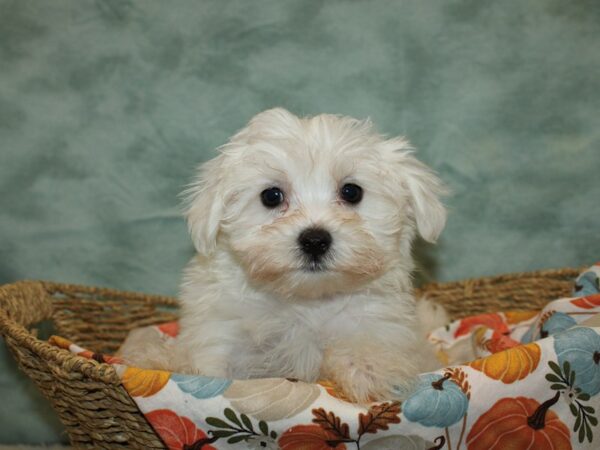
(88, 396)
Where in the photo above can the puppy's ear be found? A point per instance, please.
(425, 190)
(204, 206)
(274, 122)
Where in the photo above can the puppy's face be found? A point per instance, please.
(312, 207)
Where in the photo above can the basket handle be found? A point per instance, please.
(26, 302)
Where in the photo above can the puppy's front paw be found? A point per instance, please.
(205, 362)
(363, 378)
(361, 385)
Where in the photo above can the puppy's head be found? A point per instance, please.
(313, 206)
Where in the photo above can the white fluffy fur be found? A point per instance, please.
(250, 309)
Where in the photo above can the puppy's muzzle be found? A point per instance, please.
(315, 242)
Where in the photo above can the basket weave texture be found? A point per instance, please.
(88, 396)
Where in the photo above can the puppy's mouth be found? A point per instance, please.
(315, 266)
(319, 264)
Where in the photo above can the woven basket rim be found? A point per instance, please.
(55, 286)
(490, 279)
(107, 373)
(63, 358)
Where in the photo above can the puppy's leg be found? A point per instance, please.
(207, 348)
(431, 315)
(369, 370)
(210, 361)
(147, 349)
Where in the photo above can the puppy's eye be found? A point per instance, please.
(272, 197)
(351, 193)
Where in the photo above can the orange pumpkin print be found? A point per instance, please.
(510, 365)
(144, 383)
(519, 423)
(589, 302)
(309, 437)
(493, 321)
(514, 317)
(495, 343)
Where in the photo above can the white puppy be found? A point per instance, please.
(303, 228)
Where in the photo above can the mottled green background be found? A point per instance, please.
(107, 106)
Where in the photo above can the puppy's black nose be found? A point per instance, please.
(315, 241)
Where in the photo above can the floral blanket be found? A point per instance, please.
(513, 380)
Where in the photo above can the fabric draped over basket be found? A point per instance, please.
(526, 378)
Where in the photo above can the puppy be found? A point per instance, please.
(303, 228)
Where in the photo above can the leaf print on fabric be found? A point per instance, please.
(510, 365)
(563, 380)
(493, 320)
(143, 382)
(436, 402)
(580, 347)
(379, 417)
(175, 431)
(200, 386)
(271, 398)
(336, 434)
(589, 302)
(459, 376)
(240, 429)
(331, 423)
(309, 437)
(519, 423)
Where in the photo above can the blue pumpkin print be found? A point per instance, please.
(528, 336)
(199, 386)
(581, 348)
(436, 402)
(556, 323)
(588, 283)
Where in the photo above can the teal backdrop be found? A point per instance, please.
(106, 107)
